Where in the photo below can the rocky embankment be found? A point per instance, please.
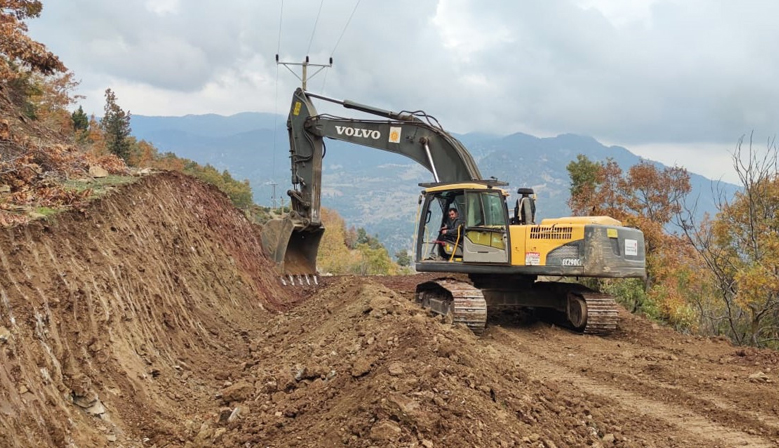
(152, 318)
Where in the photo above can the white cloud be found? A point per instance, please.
(463, 35)
(620, 12)
(646, 74)
(163, 7)
(712, 160)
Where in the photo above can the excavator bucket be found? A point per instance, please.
(293, 246)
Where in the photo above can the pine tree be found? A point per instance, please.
(80, 120)
(116, 126)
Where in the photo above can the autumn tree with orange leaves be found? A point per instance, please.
(341, 254)
(18, 49)
(740, 247)
(43, 141)
(34, 75)
(645, 197)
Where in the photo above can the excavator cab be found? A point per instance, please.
(437, 216)
(483, 236)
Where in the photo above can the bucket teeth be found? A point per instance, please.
(299, 280)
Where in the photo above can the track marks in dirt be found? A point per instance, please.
(695, 419)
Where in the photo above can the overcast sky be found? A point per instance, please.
(678, 81)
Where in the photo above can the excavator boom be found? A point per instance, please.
(293, 241)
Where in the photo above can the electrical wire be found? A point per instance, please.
(276, 108)
(324, 81)
(315, 23)
(339, 41)
(281, 15)
(275, 128)
(344, 30)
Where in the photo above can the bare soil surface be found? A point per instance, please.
(153, 319)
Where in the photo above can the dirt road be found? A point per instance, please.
(152, 319)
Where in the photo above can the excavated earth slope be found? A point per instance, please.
(152, 319)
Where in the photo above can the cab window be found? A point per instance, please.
(485, 209)
(493, 209)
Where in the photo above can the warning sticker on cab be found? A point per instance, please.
(532, 259)
(394, 135)
(631, 247)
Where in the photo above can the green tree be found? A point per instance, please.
(584, 177)
(404, 259)
(80, 120)
(371, 241)
(373, 261)
(240, 193)
(116, 127)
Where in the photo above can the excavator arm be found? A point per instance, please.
(293, 241)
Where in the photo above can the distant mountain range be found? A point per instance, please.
(375, 189)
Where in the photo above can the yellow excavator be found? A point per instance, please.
(505, 254)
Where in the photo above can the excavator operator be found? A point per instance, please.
(449, 231)
(447, 234)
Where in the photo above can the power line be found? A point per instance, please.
(281, 15)
(275, 119)
(314, 30)
(276, 106)
(324, 82)
(344, 30)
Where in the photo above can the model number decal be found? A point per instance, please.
(357, 132)
(572, 261)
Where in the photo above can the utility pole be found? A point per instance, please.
(305, 65)
(273, 197)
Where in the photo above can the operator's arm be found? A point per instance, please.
(451, 226)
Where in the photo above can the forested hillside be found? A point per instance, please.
(360, 181)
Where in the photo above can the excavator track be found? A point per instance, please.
(593, 312)
(463, 302)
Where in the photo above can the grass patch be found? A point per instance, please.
(99, 186)
(46, 211)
